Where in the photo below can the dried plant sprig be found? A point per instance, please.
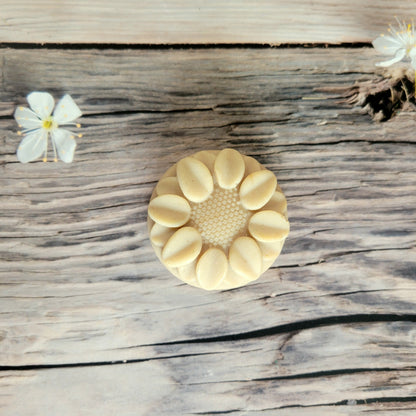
(400, 43)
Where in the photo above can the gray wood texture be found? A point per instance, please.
(92, 324)
(201, 22)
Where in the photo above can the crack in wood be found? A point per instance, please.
(357, 292)
(181, 46)
(293, 329)
(334, 373)
(347, 402)
(355, 402)
(298, 326)
(312, 375)
(289, 336)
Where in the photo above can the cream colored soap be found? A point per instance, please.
(195, 179)
(246, 258)
(159, 234)
(251, 165)
(268, 226)
(218, 219)
(169, 185)
(182, 247)
(212, 268)
(169, 210)
(257, 189)
(207, 158)
(277, 203)
(271, 250)
(229, 168)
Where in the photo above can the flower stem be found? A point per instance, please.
(45, 156)
(54, 150)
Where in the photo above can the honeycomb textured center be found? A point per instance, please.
(221, 218)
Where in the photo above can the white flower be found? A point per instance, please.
(399, 43)
(38, 123)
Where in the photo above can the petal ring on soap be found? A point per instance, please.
(218, 219)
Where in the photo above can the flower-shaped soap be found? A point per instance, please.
(218, 219)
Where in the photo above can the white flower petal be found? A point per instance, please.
(41, 103)
(399, 56)
(32, 146)
(412, 55)
(64, 143)
(27, 118)
(66, 110)
(387, 45)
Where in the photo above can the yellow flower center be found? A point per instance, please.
(48, 123)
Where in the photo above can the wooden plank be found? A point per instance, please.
(331, 325)
(74, 237)
(197, 22)
(300, 373)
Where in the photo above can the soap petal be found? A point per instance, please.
(168, 185)
(211, 268)
(270, 251)
(170, 172)
(246, 258)
(277, 203)
(232, 280)
(188, 273)
(257, 189)
(160, 234)
(268, 226)
(251, 165)
(169, 210)
(182, 248)
(195, 179)
(229, 168)
(207, 157)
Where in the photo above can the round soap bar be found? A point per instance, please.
(217, 219)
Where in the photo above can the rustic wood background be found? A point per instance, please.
(198, 21)
(92, 324)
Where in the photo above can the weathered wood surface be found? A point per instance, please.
(201, 22)
(90, 321)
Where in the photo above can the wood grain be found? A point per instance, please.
(87, 311)
(197, 22)
(270, 375)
